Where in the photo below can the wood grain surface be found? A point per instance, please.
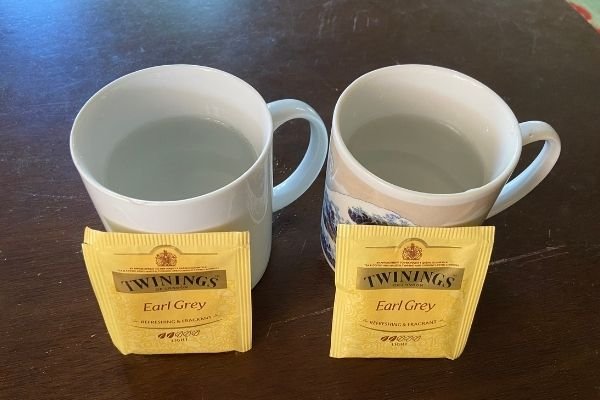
(536, 333)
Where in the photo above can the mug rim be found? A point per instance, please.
(88, 177)
(425, 198)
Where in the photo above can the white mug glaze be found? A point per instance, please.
(355, 195)
(168, 91)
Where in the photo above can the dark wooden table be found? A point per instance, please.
(536, 334)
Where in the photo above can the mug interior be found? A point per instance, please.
(478, 114)
(157, 93)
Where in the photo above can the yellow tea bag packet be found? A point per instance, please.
(407, 291)
(172, 293)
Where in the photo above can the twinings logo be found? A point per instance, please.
(166, 259)
(440, 278)
(152, 283)
(412, 252)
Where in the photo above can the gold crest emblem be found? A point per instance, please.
(412, 252)
(166, 259)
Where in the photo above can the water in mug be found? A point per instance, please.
(178, 158)
(417, 153)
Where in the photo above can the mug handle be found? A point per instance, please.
(517, 188)
(307, 171)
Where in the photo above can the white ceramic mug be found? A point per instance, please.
(169, 91)
(354, 195)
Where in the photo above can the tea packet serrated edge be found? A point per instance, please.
(479, 276)
(349, 300)
(97, 245)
